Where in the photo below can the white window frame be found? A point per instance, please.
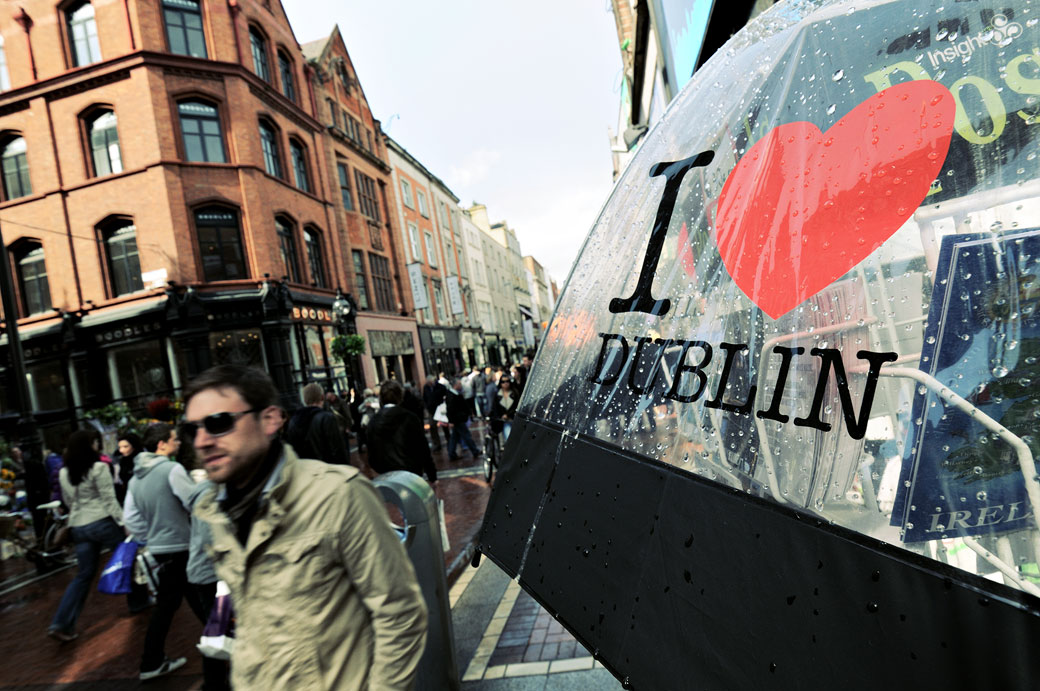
(406, 193)
(431, 251)
(424, 209)
(413, 240)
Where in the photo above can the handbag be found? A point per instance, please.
(441, 413)
(119, 573)
(218, 636)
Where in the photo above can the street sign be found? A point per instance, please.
(420, 297)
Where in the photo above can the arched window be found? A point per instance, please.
(119, 239)
(5, 80)
(287, 244)
(32, 277)
(258, 44)
(184, 30)
(272, 152)
(15, 167)
(104, 142)
(285, 71)
(83, 36)
(312, 238)
(220, 244)
(299, 163)
(200, 128)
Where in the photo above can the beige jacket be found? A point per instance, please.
(324, 595)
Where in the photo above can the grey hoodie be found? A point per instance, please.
(157, 503)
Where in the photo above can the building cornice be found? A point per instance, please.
(108, 71)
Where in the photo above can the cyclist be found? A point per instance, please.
(503, 406)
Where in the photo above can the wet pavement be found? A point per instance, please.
(504, 639)
(107, 653)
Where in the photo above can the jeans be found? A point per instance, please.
(215, 673)
(89, 540)
(173, 582)
(460, 432)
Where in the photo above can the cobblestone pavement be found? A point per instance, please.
(506, 642)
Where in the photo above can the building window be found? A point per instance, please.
(438, 299)
(353, 128)
(367, 199)
(83, 36)
(200, 128)
(299, 162)
(312, 239)
(269, 144)
(220, 244)
(104, 143)
(285, 71)
(287, 245)
(32, 277)
(431, 251)
(344, 187)
(423, 209)
(119, 238)
(406, 193)
(258, 44)
(382, 284)
(184, 27)
(15, 168)
(333, 112)
(413, 239)
(361, 285)
(5, 80)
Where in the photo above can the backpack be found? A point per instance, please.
(296, 432)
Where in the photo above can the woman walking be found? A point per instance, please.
(96, 522)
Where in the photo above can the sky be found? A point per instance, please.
(508, 103)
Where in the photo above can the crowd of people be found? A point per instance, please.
(323, 592)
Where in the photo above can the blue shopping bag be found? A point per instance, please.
(119, 572)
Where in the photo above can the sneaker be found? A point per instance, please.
(62, 636)
(166, 667)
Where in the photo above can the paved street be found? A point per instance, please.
(504, 640)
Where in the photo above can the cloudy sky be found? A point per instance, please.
(508, 103)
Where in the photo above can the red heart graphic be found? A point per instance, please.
(803, 207)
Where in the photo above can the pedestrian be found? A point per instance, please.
(335, 405)
(96, 523)
(53, 463)
(395, 436)
(157, 513)
(313, 431)
(480, 404)
(458, 416)
(503, 409)
(202, 588)
(128, 445)
(37, 488)
(325, 596)
(411, 401)
(368, 407)
(433, 395)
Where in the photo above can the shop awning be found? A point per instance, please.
(122, 312)
(526, 312)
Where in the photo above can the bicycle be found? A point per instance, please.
(492, 449)
(44, 552)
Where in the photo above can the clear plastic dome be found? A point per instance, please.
(817, 281)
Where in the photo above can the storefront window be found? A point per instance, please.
(47, 385)
(238, 347)
(140, 370)
(312, 346)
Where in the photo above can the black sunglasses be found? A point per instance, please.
(215, 425)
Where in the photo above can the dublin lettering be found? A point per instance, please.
(689, 380)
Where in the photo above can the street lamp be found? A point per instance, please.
(344, 318)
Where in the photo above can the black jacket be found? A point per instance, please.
(396, 442)
(314, 433)
(432, 395)
(412, 404)
(458, 408)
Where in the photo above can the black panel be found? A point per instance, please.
(679, 583)
(520, 483)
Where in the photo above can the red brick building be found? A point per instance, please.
(170, 200)
(363, 200)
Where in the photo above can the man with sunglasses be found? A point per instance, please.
(325, 596)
